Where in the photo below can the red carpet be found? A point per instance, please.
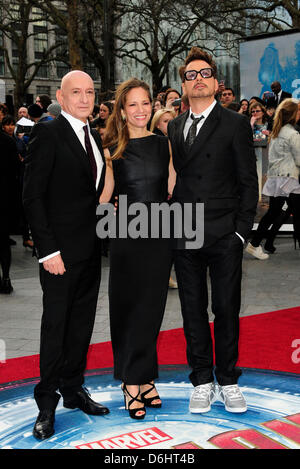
(269, 341)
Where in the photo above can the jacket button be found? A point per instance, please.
(208, 155)
(199, 177)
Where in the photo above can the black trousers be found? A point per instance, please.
(275, 206)
(69, 307)
(223, 261)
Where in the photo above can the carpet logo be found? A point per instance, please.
(272, 419)
(133, 440)
(289, 428)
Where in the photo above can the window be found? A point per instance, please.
(40, 40)
(91, 70)
(2, 62)
(43, 90)
(61, 52)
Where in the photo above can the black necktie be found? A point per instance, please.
(193, 130)
(90, 153)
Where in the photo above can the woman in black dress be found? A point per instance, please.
(138, 167)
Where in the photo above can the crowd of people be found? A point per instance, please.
(168, 104)
(194, 146)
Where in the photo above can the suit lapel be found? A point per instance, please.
(69, 136)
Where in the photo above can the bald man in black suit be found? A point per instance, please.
(64, 176)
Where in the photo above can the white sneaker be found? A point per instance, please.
(256, 252)
(233, 398)
(203, 396)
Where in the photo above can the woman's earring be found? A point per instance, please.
(123, 117)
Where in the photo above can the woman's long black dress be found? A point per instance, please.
(139, 268)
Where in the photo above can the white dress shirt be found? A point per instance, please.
(279, 96)
(77, 125)
(189, 122)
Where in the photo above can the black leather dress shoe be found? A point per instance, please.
(44, 425)
(83, 401)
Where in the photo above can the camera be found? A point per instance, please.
(268, 94)
(176, 102)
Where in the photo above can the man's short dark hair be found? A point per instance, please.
(45, 101)
(35, 110)
(198, 54)
(229, 89)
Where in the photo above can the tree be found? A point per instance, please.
(248, 16)
(98, 38)
(65, 17)
(17, 25)
(280, 15)
(153, 32)
(89, 29)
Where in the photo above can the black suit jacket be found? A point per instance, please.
(284, 95)
(219, 170)
(59, 192)
(272, 102)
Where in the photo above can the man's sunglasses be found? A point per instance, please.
(204, 72)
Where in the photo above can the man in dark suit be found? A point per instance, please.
(214, 160)
(279, 94)
(64, 176)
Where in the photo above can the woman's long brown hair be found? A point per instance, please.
(116, 133)
(286, 113)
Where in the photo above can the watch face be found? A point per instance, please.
(271, 421)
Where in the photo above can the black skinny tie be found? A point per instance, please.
(193, 130)
(90, 153)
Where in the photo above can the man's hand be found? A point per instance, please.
(55, 265)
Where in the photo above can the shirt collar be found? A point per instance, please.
(206, 112)
(75, 123)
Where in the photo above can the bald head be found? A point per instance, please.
(76, 94)
(276, 87)
(22, 112)
(73, 76)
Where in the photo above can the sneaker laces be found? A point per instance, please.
(232, 391)
(202, 391)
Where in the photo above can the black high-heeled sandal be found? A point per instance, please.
(148, 400)
(128, 403)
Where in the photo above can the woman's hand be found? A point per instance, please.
(253, 120)
(109, 184)
(172, 175)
